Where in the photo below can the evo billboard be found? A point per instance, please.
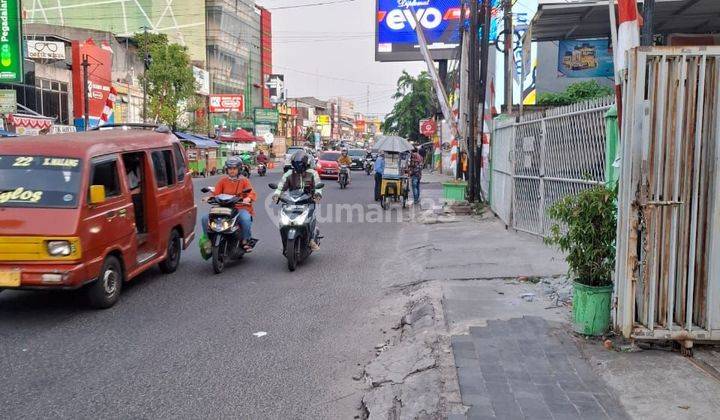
(11, 52)
(99, 69)
(395, 37)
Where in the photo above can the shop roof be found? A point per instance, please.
(578, 19)
(198, 141)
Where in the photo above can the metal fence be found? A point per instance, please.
(550, 155)
(668, 271)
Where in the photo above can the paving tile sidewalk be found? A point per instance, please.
(525, 368)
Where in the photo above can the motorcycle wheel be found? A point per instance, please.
(218, 260)
(293, 253)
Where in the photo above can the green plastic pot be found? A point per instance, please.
(591, 309)
(454, 191)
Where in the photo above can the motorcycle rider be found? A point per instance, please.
(346, 161)
(300, 176)
(234, 184)
(262, 158)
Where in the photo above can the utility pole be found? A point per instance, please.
(509, 60)
(473, 101)
(146, 62)
(86, 95)
(646, 37)
(485, 52)
(367, 104)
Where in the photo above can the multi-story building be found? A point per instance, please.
(233, 49)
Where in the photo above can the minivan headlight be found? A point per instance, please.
(59, 248)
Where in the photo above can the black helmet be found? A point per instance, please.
(300, 161)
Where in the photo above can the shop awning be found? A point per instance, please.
(198, 141)
(240, 136)
(579, 19)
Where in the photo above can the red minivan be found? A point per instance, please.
(92, 210)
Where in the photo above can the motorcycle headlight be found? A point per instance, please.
(59, 248)
(225, 225)
(284, 219)
(300, 220)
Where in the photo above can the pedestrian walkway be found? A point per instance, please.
(526, 368)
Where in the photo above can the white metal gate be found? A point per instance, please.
(503, 143)
(552, 155)
(668, 272)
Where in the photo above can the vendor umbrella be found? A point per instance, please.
(392, 144)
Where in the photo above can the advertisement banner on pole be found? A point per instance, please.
(275, 84)
(585, 58)
(202, 81)
(227, 103)
(11, 51)
(8, 101)
(99, 71)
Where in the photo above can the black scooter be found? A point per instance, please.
(262, 169)
(298, 225)
(224, 230)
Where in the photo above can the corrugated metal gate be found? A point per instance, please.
(552, 155)
(668, 271)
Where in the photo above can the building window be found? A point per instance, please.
(46, 97)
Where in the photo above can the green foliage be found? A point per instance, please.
(414, 101)
(577, 92)
(585, 231)
(170, 81)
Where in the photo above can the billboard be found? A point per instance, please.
(227, 103)
(585, 58)
(202, 81)
(275, 85)
(46, 50)
(395, 37)
(99, 59)
(11, 56)
(266, 116)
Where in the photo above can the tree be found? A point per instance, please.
(170, 81)
(414, 101)
(577, 92)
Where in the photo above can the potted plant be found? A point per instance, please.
(585, 230)
(454, 190)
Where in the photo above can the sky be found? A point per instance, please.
(328, 50)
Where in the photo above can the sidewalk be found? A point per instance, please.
(513, 353)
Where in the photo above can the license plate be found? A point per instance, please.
(10, 278)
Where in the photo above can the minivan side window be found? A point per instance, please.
(105, 173)
(163, 168)
(180, 165)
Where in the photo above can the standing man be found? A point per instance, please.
(415, 172)
(379, 169)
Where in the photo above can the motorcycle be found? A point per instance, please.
(262, 169)
(245, 171)
(224, 230)
(344, 177)
(298, 225)
(369, 166)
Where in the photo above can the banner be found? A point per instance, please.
(275, 84)
(202, 81)
(11, 51)
(266, 116)
(227, 103)
(585, 58)
(99, 70)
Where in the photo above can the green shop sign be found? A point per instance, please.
(266, 116)
(11, 55)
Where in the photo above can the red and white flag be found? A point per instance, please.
(109, 106)
(629, 22)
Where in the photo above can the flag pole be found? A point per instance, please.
(618, 81)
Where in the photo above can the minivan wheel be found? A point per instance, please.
(174, 250)
(105, 291)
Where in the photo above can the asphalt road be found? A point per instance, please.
(182, 345)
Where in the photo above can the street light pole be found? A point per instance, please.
(146, 62)
(86, 95)
(485, 52)
(472, 100)
(509, 60)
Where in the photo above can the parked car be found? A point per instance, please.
(358, 159)
(327, 165)
(93, 210)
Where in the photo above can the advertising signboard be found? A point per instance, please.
(99, 70)
(8, 101)
(11, 51)
(585, 58)
(275, 84)
(428, 127)
(227, 103)
(202, 81)
(46, 50)
(266, 116)
(323, 120)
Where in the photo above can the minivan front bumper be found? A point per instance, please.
(47, 275)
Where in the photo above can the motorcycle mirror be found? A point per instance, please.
(207, 189)
(247, 191)
(273, 186)
(319, 186)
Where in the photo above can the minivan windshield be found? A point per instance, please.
(39, 181)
